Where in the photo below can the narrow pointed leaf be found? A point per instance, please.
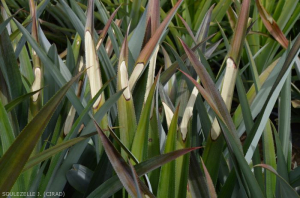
(127, 151)
(271, 25)
(142, 189)
(153, 13)
(121, 167)
(91, 57)
(147, 51)
(211, 188)
(127, 123)
(10, 106)
(5, 23)
(113, 184)
(79, 177)
(260, 123)
(234, 148)
(139, 145)
(166, 185)
(187, 28)
(106, 27)
(7, 133)
(136, 178)
(12, 162)
(197, 181)
(54, 150)
(287, 190)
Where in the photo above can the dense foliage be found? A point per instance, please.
(187, 98)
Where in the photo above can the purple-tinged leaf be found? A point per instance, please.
(106, 27)
(112, 185)
(147, 51)
(120, 166)
(271, 25)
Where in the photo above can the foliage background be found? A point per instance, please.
(150, 98)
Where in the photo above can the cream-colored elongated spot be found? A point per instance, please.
(226, 93)
(229, 82)
(81, 64)
(230, 63)
(188, 113)
(267, 15)
(135, 75)
(215, 130)
(151, 72)
(98, 44)
(169, 114)
(69, 120)
(36, 83)
(124, 80)
(93, 67)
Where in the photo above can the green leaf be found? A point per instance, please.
(166, 185)
(260, 123)
(212, 91)
(125, 103)
(271, 25)
(52, 68)
(7, 134)
(148, 50)
(77, 150)
(10, 106)
(5, 23)
(154, 147)
(79, 177)
(136, 180)
(140, 141)
(106, 27)
(113, 184)
(120, 166)
(287, 190)
(240, 163)
(12, 162)
(9, 66)
(210, 185)
(197, 182)
(54, 150)
(285, 117)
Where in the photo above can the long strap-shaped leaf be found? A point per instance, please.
(7, 134)
(288, 191)
(145, 54)
(166, 185)
(14, 160)
(126, 112)
(271, 25)
(5, 23)
(113, 184)
(10, 106)
(234, 145)
(105, 29)
(268, 106)
(122, 169)
(140, 141)
(53, 150)
(210, 88)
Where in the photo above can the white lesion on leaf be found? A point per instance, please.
(188, 113)
(135, 74)
(36, 85)
(124, 80)
(93, 71)
(169, 114)
(230, 63)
